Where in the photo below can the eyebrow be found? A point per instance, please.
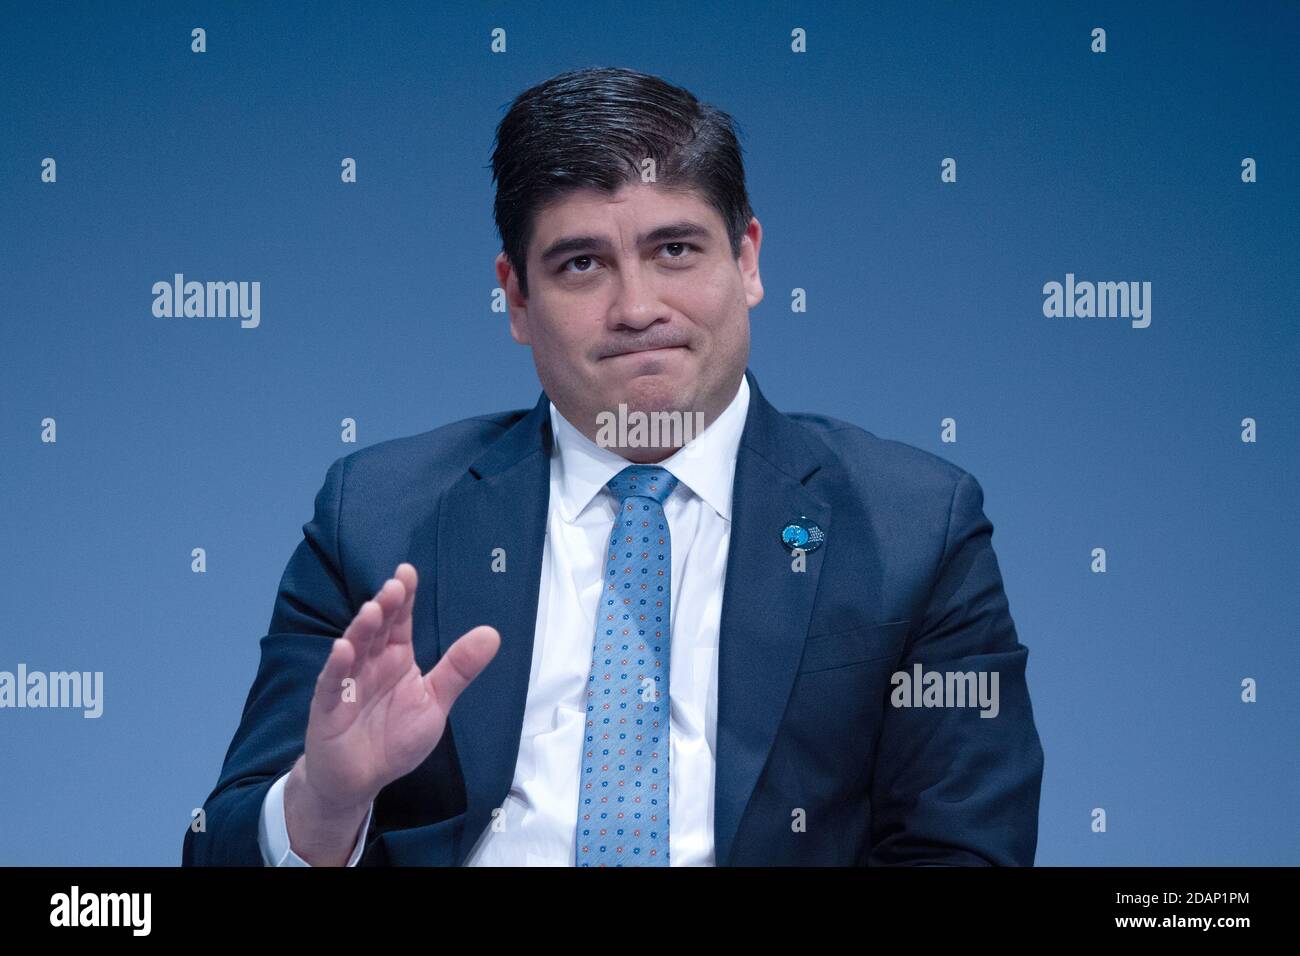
(673, 232)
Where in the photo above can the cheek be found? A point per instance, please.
(568, 344)
(555, 333)
(721, 295)
(726, 311)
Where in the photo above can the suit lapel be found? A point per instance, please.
(766, 605)
(501, 502)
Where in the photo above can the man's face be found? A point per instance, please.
(635, 298)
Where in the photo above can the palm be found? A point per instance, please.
(375, 717)
(383, 727)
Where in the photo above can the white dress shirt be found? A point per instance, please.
(539, 818)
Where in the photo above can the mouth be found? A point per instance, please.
(665, 348)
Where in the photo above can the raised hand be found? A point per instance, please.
(374, 717)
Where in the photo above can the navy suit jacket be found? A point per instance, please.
(907, 574)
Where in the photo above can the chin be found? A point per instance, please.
(657, 393)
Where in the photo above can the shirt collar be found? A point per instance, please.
(706, 464)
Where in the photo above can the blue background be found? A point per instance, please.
(925, 301)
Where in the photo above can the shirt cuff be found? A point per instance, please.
(273, 832)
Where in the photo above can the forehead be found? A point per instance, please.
(589, 210)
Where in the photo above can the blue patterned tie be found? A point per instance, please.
(623, 790)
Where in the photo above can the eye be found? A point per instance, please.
(564, 267)
(683, 245)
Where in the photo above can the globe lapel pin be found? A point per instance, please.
(802, 533)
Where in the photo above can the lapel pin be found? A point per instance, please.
(802, 533)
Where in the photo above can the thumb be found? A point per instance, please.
(463, 662)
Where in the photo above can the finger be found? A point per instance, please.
(390, 599)
(329, 684)
(463, 662)
(400, 633)
(362, 631)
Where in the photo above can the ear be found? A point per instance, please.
(750, 243)
(515, 303)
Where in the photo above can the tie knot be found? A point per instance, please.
(642, 481)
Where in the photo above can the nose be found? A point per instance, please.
(636, 303)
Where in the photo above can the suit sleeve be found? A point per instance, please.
(952, 787)
(312, 608)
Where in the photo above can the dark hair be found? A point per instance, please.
(594, 128)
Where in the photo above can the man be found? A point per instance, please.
(531, 638)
